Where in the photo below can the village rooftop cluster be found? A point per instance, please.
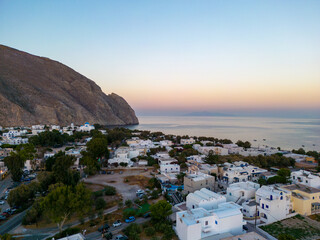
(212, 197)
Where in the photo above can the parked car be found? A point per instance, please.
(120, 172)
(130, 219)
(2, 217)
(147, 215)
(103, 172)
(5, 214)
(103, 227)
(1, 202)
(121, 237)
(109, 172)
(117, 223)
(139, 191)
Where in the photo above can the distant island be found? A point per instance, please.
(207, 114)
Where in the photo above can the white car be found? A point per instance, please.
(117, 223)
(139, 191)
(1, 202)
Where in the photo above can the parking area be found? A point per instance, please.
(127, 182)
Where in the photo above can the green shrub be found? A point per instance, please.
(110, 191)
(150, 231)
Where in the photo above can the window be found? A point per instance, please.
(281, 198)
(206, 223)
(230, 194)
(262, 206)
(267, 206)
(216, 222)
(312, 197)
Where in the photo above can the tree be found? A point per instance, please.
(63, 201)
(160, 210)
(284, 173)
(15, 162)
(62, 172)
(245, 144)
(180, 177)
(212, 158)
(15, 165)
(21, 195)
(98, 147)
(100, 204)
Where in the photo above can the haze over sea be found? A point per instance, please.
(287, 133)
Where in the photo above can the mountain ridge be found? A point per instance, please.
(37, 90)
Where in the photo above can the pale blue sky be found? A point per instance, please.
(180, 55)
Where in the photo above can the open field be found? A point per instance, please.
(298, 226)
(126, 183)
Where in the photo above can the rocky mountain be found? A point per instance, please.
(36, 90)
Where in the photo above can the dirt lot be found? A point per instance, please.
(136, 179)
(298, 226)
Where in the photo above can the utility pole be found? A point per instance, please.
(255, 217)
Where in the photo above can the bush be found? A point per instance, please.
(128, 213)
(168, 233)
(128, 203)
(98, 194)
(133, 231)
(150, 231)
(110, 191)
(100, 204)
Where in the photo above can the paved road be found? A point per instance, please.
(12, 223)
(4, 184)
(115, 230)
(53, 231)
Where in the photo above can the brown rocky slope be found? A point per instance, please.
(37, 90)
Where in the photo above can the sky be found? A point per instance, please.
(174, 56)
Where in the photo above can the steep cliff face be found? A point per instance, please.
(36, 90)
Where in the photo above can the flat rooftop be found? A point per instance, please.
(302, 188)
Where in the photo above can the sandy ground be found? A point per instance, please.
(126, 189)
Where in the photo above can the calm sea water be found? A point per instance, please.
(287, 133)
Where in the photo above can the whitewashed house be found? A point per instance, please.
(169, 166)
(185, 141)
(250, 208)
(274, 203)
(212, 149)
(204, 198)
(241, 172)
(305, 178)
(241, 191)
(199, 223)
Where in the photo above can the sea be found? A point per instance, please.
(286, 133)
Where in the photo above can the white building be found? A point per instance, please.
(241, 191)
(274, 203)
(204, 198)
(211, 149)
(249, 208)
(197, 158)
(86, 127)
(166, 143)
(77, 236)
(305, 178)
(169, 166)
(185, 141)
(17, 141)
(199, 223)
(241, 172)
